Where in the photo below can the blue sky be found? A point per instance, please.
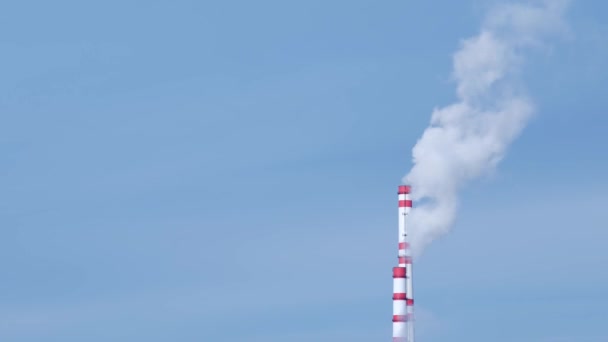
(227, 171)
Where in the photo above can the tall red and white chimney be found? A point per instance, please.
(403, 296)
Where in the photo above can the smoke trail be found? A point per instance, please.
(467, 139)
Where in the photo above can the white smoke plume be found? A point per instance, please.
(467, 139)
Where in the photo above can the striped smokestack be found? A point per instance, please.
(403, 299)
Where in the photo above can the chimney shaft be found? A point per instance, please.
(403, 299)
